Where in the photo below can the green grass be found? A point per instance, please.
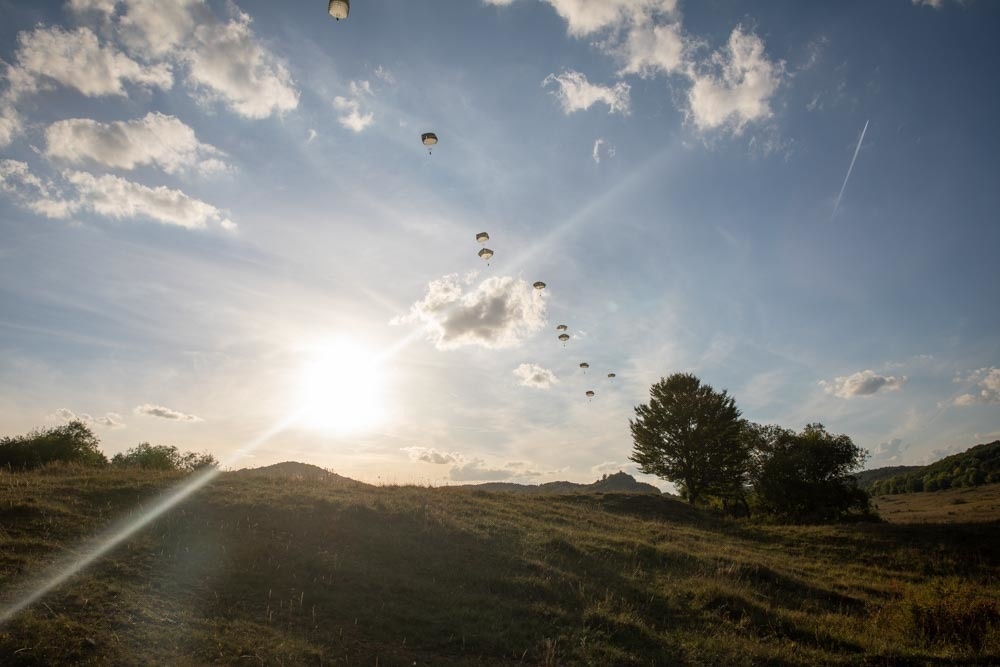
(263, 571)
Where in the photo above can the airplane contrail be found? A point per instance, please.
(843, 187)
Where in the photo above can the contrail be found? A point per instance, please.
(843, 187)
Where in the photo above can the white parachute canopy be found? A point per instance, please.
(486, 254)
(590, 394)
(482, 237)
(429, 138)
(564, 337)
(339, 9)
(612, 376)
(585, 365)
(562, 327)
(539, 285)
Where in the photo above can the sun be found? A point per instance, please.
(341, 388)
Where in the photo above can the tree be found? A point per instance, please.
(70, 443)
(690, 434)
(162, 457)
(807, 476)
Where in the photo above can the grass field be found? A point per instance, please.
(976, 504)
(258, 571)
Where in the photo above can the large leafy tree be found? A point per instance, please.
(807, 476)
(690, 434)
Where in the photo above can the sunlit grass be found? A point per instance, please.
(253, 570)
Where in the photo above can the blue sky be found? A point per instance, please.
(216, 215)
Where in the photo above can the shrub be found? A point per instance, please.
(162, 457)
(70, 443)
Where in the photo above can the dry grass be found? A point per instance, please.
(975, 504)
(254, 571)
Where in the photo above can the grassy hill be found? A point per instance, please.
(973, 467)
(619, 482)
(969, 505)
(267, 570)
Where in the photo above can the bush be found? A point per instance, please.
(162, 457)
(70, 443)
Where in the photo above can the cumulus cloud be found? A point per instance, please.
(431, 455)
(155, 139)
(987, 387)
(76, 59)
(500, 312)
(110, 420)
(106, 195)
(150, 410)
(533, 375)
(229, 63)
(653, 49)
(862, 383)
(736, 86)
(351, 116)
(575, 93)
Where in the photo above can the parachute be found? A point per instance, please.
(486, 254)
(612, 376)
(339, 9)
(585, 366)
(539, 285)
(590, 394)
(482, 237)
(429, 139)
(562, 327)
(564, 337)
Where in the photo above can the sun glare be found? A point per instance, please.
(341, 388)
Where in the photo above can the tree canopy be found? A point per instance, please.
(689, 434)
(162, 457)
(73, 442)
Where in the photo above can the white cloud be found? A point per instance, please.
(653, 49)
(889, 452)
(586, 17)
(157, 29)
(384, 74)
(862, 383)
(106, 195)
(102, 6)
(230, 63)
(575, 93)
(936, 4)
(987, 387)
(501, 312)
(76, 59)
(351, 116)
(476, 470)
(533, 375)
(154, 139)
(602, 147)
(110, 420)
(431, 455)
(150, 410)
(736, 86)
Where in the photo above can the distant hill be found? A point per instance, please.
(974, 467)
(619, 482)
(296, 470)
(866, 478)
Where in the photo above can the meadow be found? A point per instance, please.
(255, 570)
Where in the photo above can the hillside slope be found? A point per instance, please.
(867, 478)
(258, 570)
(619, 482)
(975, 466)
